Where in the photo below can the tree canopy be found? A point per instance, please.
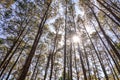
(60, 40)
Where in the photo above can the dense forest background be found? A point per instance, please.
(59, 39)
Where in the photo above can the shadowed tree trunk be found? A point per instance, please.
(114, 59)
(96, 52)
(47, 65)
(64, 71)
(12, 53)
(107, 15)
(36, 65)
(32, 52)
(16, 61)
(83, 67)
(107, 8)
(86, 56)
(71, 61)
(106, 37)
(13, 46)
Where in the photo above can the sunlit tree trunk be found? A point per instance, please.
(77, 72)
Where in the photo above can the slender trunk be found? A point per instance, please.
(11, 48)
(52, 64)
(107, 57)
(83, 67)
(111, 6)
(86, 56)
(113, 31)
(114, 59)
(3, 71)
(106, 37)
(73, 17)
(107, 8)
(71, 61)
(115, 5)
(7, 62)
(64, 72)
(107, 15)
(36, 74)
(77, 72)
(68, 68)
(53, 54)
(47, 66)
(96, 53)
(15, 61)
(96, 68)
(32, 77)
(102, 65)
(114, 43)
(32, 52)
(111, 69)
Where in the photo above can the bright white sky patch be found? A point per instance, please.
(75, 39)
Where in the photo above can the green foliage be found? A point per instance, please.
(61, 78)
(8, 13)
(118, 44)
(1, 41)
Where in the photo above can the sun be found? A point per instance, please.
(76, 39)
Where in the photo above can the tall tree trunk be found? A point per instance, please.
(15, 61)
(12, 53)
(82, 64)
(114, 59)
(102, 65)
(71, 61)
(36, 74)
(32, 52)
(107, 8)
(113, 30)
(106, 37)
(111, 6)
(52, 64)
(115, 5)
(96, 68)
(96, 52)
(64, 72)
(32, 77)
(12, 47)
(53, 53)
(86, 57)
(47, 65)
(106, 15)
(77, 72)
